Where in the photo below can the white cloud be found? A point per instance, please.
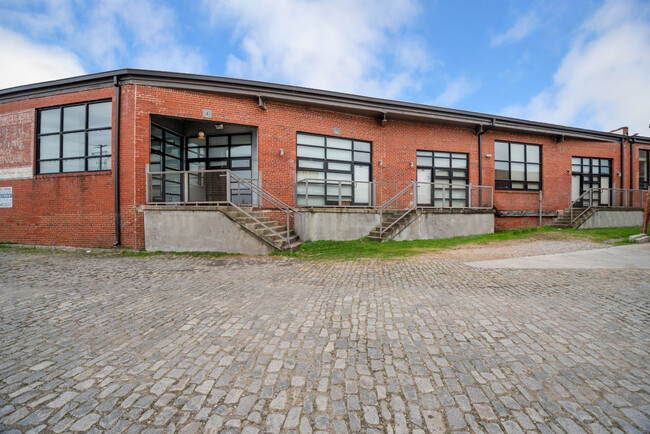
(456, 90)
(340, 45)
(26, 62)
(523, 27)
(108, 34)
(603, 82)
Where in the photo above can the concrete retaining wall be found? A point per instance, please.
(172, 230)
(335, 224)
(614, 219)
(433, 225)
(351, 224)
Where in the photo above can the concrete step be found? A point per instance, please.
(640, 238)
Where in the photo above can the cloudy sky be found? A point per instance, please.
(583, 63)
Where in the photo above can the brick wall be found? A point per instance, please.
(77, 209)
(64, 209)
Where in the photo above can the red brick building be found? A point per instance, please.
(74, 155)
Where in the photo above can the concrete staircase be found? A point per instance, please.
(262, 230)
(640, 238)
(388, 219)
(563, 220)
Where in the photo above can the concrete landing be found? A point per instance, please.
(626, 257)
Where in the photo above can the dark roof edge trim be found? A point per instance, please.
(305, 95)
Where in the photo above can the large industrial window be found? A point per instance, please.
(74, 138)
(517, 166)
(333, 159)
(644, 168)
(448, 172)
(166, 156)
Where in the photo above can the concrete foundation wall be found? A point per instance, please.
(613, 219)
(198, 231)
(335, 224)
(447, 225)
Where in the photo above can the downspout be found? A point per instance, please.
(480, 131)
(631, 140)
(622, 162)
(116, 156)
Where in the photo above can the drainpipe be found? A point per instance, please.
(116, 156)
(479, 132)
(631, 140)
(623, 134)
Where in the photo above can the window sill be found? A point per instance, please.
(73, 174)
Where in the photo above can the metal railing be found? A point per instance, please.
(217, 187)
(342, 193)
(436, 195)
(606, 198)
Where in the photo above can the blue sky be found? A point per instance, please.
(583, 63)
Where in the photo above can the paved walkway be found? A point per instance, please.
(634, 256)
(192, 344)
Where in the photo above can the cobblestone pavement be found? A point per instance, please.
(237, 344)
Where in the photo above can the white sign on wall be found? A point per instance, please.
(6, 197)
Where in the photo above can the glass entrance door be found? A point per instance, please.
(591, 173)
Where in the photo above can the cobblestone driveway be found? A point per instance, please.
(265, 344)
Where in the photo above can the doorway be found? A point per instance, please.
(591, 173)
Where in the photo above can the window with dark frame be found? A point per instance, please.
(446, 168)
(517, 166)
(166, 155)
(644, 168)
(74, 138)
(337, 159)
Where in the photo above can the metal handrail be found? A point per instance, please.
(623, 193)
(384, 206)
(270, 198)
(372, 190)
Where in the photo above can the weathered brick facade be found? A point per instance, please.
(78, 209)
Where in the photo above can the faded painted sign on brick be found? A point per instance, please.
(17, 144)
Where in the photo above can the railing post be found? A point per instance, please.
(415, 194)
(614, 195)
(444, 193)
(469, 195)
(591, 197)
(186, 186)
(306, 192)
(339, 183)
(228, 192)
(625, 199)
(374, 192)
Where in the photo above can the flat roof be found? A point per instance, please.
(338, 101)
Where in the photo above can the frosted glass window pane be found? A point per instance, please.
(460, 173)
(362, 146)
(74, 118)
(73, 146)
(517, 152)
(217, 164)
(501, 170)
(533, 186)
(306, 139)
(49, 147)
(196, 153)
(442, 173)
(309, 164)
(304, 174)
(103, 163)
(310, 152)
(361, 157)
(50, 121)
(218, 141)
(99, 143)
(518, 185)
(333, 142)
(76, 165)
(575, 160)
(242, 139)
(533, 172)
(240, 163)
(197, 165)
(221, 152)
(532, 154)
(338, 166)
(459, 163)
(425, 161)
(501, 151)
(517, 171)
(441, 154)
(240, 151)
(340, 176)
(99, 115)
(459, 156)
(441, 162)
(336, 154)
(48, 167)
